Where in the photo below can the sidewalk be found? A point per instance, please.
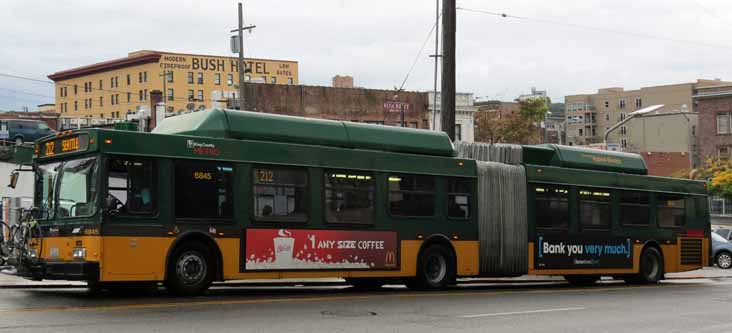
(14, 282)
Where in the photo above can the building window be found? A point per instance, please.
(217, 78)
(190, 95)
(607, 117)
(129, 97)
(76, 89)
(289, 80)
(101, 84)
(139, 77)
(621, 103)
(144, 76)
(280, 194)
(229, 79)
(671, 210)
(101, 100)
(724, 152)
(200, 78)
(638, 102)
(720, 206)
(141, 97)
(581, 133)
(131, 185)
(622, 116)
(170, 94)
(595, 208)
(349, 197)
(607, 104)
(128, 79)
(458, 132)
(144, 94)
(199, 97)
(623, 130)
(111, 82)
(247, 78)
(624, 142)
(203, 190)
(411, 195)
(552, 206)
(458, 198)
(723, 123)
(169, 76)
(190, 77)
(274, 80)
(76, 105)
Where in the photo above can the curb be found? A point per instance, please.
(327, 284)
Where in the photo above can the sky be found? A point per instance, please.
(565, 47)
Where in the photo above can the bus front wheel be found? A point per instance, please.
(189, 270)
(434, 269)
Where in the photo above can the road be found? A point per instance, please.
(698, 305)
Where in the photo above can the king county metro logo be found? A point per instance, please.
(202, 148)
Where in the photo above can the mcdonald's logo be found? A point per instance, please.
(390, 260)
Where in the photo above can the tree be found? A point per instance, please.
(716, 172)
(521, 127)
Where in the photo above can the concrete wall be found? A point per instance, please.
(662, 133)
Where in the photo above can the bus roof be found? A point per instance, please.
(233, 124)
(584, 158)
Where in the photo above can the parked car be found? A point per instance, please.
(726, 233)
(21, 130)
(721, 251)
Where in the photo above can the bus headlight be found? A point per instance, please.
(79, 253)
(32, 253)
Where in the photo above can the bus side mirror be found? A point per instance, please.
(13, 179)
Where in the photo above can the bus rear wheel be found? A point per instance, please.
(651, 268)
(434, 269)
(190, 270)
(581, 280)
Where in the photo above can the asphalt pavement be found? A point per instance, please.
(695, 303)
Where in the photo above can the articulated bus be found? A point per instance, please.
(221, 195)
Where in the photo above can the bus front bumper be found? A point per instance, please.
(67, 270)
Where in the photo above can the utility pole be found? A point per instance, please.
(242, 68)
(437, 64)
(448, 68)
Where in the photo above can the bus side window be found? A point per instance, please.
(280, 193)
(131, 187)
(458, 198)
(411, 195)
(203, 190)
(670, 210)
(635, 208)
(349, 197)
(552, 206)
(595, 207)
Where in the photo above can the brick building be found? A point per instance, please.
(714, 105)
(343, 81)
(351, 104)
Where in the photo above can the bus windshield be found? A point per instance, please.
(67, 189)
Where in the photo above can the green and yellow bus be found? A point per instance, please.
(230, 195)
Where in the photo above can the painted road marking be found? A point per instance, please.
(519, 312)
(180, 304)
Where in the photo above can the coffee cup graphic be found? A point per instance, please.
(284, 246)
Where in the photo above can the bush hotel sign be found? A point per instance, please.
(396, 106)
(256, 68)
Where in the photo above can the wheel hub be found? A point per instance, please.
(191, 268)
(436, 268)
(724, 261)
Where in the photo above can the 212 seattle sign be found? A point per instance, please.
(564, 253)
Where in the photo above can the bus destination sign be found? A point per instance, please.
(64, 145)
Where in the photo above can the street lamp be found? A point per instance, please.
(630, 116)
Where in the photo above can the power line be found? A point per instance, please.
(597, 29)
(419, 54)
(26, 93)
(98, 89)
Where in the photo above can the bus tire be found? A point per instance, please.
(190, 269)
(723, 260)
(365, 283)
(582, 280)
(651, 268)
(434, 269)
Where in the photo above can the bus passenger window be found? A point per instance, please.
(349, 197)
(458, 198)
(411, 195)
(670, 210)
(279, 194)
(203, 190)
(552, 207)
(635, 208)
(595, 208)
(130, 186)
